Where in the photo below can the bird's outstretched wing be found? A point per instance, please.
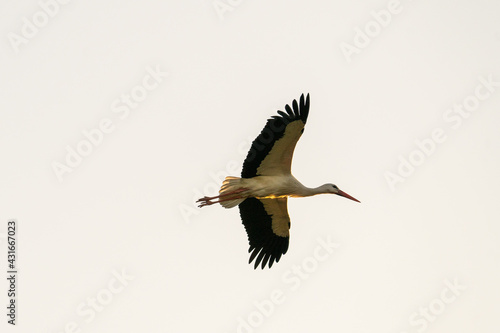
(271, 152)
(267, 224)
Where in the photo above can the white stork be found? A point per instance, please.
(266, 182)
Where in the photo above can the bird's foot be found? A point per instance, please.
(205, 201)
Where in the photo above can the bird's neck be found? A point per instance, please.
(310, 191)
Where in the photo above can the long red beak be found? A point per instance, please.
(345, 195)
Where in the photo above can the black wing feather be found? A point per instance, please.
(265, 245)
(281, 113)
(273, 131)
(295, 107)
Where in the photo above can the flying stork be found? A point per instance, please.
(266, 182)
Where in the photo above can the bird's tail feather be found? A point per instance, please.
(230, 184)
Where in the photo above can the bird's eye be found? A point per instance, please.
(335, 186)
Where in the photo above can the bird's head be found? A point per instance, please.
(331, 188)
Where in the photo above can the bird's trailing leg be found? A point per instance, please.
(206, 201)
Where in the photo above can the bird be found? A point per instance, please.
(266, 182)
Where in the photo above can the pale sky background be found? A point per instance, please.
(420, 255)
